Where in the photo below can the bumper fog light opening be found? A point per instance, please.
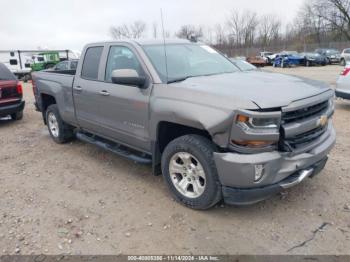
(259, 172)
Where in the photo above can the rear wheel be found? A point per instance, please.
(190, 173)
(59, 130)
(17, 116)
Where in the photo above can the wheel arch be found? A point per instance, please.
(46, 101)
(168, 131)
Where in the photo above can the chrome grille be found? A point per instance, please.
(300, 140)
(300, 114)
(306, 138)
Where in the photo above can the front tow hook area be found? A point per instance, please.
(297, 179)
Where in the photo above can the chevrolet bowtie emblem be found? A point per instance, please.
(323, 120)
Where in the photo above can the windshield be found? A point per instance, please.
(187, 60)
(332, 52)
(6, 74)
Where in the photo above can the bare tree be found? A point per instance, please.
(134, 30)
(234, 24)
(187, 31)
(138, 28)
(220, 35)
(120, 32)
(250, 23)
(336, 14)
(269, 29)
(242, 27)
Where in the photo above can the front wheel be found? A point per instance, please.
(190, 173)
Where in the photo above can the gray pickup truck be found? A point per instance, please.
(214, 132)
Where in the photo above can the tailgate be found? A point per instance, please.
(8, 92)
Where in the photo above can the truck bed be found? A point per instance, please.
(58, 84)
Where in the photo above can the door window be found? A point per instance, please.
(121, 57)
(13, 62)
(91, 63)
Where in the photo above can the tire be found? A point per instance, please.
(17, 116)
(329, 61)
(342, 62)
(59, 131)
(308, 64)
(203, 170)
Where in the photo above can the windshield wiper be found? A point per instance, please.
(180, 79)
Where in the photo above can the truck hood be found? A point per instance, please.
(265, 89)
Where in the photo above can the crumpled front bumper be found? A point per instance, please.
(237, 171)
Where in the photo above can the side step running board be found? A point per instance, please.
(116, 149)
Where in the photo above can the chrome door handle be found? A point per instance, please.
(104, 93)
(78, 88)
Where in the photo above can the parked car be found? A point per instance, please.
(332, 55)
(11, 94)
(257, 61)
(268, 57)
(213, 131)
(243, 65)
(66, 65)
(343, 84)
(288, 59)
(345, 57)
(312, 59)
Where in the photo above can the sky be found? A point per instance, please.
(70, 24)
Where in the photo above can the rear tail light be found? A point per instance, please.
(19, 88)
(345, 71)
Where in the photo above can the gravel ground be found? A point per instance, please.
(78, 199)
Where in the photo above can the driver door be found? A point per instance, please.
(123, 109)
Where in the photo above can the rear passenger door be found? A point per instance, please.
(86, 91)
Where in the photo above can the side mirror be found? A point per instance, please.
(128, 77)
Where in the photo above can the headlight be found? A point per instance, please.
(256, 129)
(257, 123)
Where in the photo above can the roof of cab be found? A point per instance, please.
(143, 42)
